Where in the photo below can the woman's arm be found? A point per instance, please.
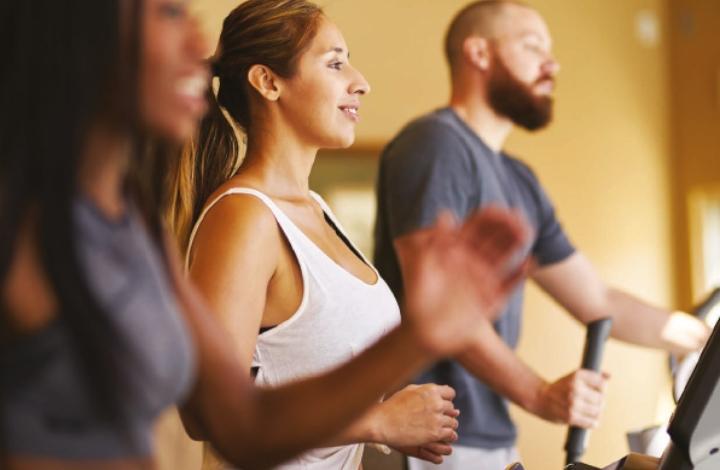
(235, 256)
(418, 420)
(414, 416)
(457, 275)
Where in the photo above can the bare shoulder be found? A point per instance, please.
(237, 211)
(237, 224)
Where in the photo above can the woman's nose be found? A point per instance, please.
(360, 86)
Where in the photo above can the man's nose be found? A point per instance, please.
(551, 67)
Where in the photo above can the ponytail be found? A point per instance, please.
(204, 164)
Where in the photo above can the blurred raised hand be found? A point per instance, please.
(456, 275)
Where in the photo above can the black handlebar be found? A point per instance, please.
(597, 333)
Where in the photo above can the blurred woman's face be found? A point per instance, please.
(173, 75)
(322, 99)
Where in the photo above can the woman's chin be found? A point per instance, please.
(343, 142)
(177, 132)
(336, 141)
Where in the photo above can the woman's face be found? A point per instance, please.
(173, 75)
(322, 99)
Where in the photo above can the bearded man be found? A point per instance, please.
(503, 74)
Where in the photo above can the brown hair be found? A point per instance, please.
(273, 33)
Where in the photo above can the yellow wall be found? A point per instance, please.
(696, 118)
(605, 161)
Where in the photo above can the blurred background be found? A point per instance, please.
(631, 161)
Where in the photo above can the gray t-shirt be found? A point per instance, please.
(46, 406)
(437, 162)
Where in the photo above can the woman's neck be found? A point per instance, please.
(282, 165)
(104, 168)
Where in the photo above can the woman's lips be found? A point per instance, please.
(191, 90)
(351, 111)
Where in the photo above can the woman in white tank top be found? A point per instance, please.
(269, 255)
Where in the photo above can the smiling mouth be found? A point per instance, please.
(351, 111)
(192, 87)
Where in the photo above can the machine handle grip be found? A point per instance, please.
(597, 334)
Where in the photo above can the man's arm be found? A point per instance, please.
(575, 399)
(575, 285)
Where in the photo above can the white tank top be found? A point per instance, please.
(339, 316)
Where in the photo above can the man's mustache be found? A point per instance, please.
(545, 79)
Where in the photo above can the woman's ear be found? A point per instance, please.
(476, 51)
(264, 81)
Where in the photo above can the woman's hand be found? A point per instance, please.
(456, 276)
(415, 416)
(432, 452)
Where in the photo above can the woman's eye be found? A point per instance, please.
(336, 65)
(173, 9)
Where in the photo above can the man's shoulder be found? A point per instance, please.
(438, 124)
(440, 119)
(431, 132)
(521, 167)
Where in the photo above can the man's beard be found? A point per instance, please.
(515, 100)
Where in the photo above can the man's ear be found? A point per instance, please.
(476, 51)
(264, 81)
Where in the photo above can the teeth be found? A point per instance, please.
(192, 86)
(353, 111)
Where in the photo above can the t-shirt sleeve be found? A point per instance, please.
(552, 244)
(424, 171)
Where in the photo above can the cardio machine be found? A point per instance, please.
(694, 428)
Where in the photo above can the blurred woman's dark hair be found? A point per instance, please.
(66, 64)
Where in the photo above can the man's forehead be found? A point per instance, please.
(516, 18)
(520, 21)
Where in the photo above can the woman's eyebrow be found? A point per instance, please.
(339, 50)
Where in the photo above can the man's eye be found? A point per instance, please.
(535, 48)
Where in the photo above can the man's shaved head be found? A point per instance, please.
(480, 18)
